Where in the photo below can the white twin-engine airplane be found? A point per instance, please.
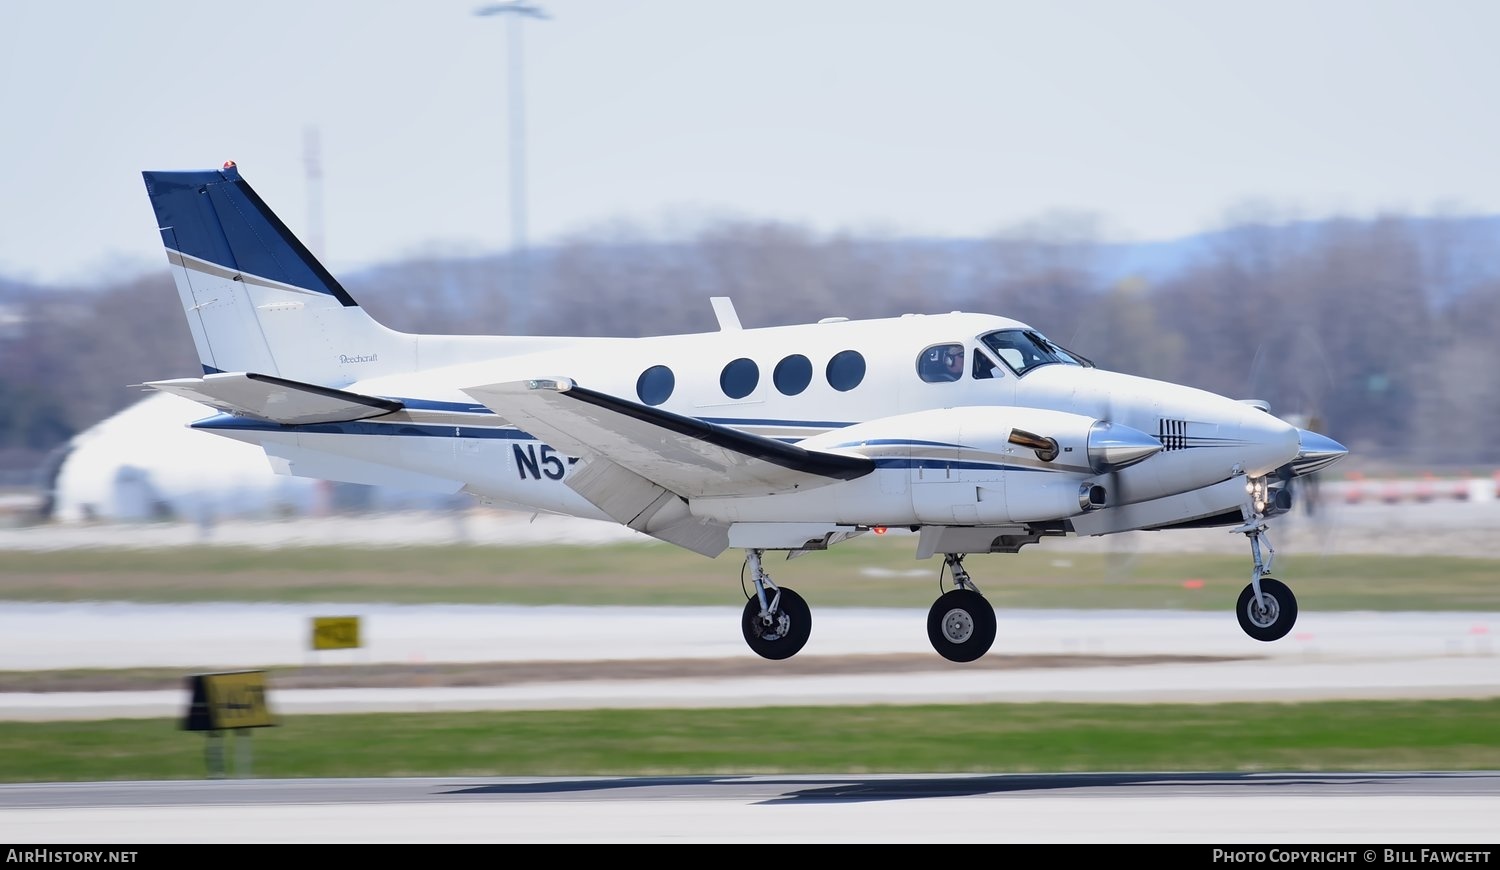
(974, 431)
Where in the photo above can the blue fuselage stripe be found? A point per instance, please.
(480, 430)
(365, 427)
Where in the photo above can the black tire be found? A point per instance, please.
(961, 625)
(1279, 615)
(789, 630)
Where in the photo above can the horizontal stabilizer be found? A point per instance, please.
(277, 400)
(683, 455)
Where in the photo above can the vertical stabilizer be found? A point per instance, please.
(256, 299)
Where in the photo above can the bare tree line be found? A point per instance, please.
(1382, 329)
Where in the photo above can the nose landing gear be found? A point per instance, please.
(1267, 610)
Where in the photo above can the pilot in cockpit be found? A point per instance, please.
(943, 362)
(953, 362)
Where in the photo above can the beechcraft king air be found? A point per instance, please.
(972, 430)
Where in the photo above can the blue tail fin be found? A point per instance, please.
(215, 217)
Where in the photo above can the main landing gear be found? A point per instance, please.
(961, 623)
(776, 621)
(1267, 610)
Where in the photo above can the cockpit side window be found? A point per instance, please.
(1025, 349)
(984, 367)
(941, 362)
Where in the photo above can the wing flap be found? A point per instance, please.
(683, 455)
(646, 507)
(277, 400)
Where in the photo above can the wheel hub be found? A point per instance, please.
(774, 626)
(958, 626)
(1264, 615)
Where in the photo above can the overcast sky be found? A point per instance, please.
(944, 117)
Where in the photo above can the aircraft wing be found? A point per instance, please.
(278, 400)
(682, 455)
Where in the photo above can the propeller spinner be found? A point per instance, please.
(1112, 446)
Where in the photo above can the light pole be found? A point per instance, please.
(515, 11)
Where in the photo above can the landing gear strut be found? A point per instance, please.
(961, 623)
(776, 621)
(1267, 610)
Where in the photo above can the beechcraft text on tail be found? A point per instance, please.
(973, 430)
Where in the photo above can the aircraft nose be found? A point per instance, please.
(1315, 452)
(1265, 443)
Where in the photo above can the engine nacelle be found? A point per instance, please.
(983, 465)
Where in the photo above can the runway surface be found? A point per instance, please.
(1270, 811)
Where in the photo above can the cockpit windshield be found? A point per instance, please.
(1025, 349)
